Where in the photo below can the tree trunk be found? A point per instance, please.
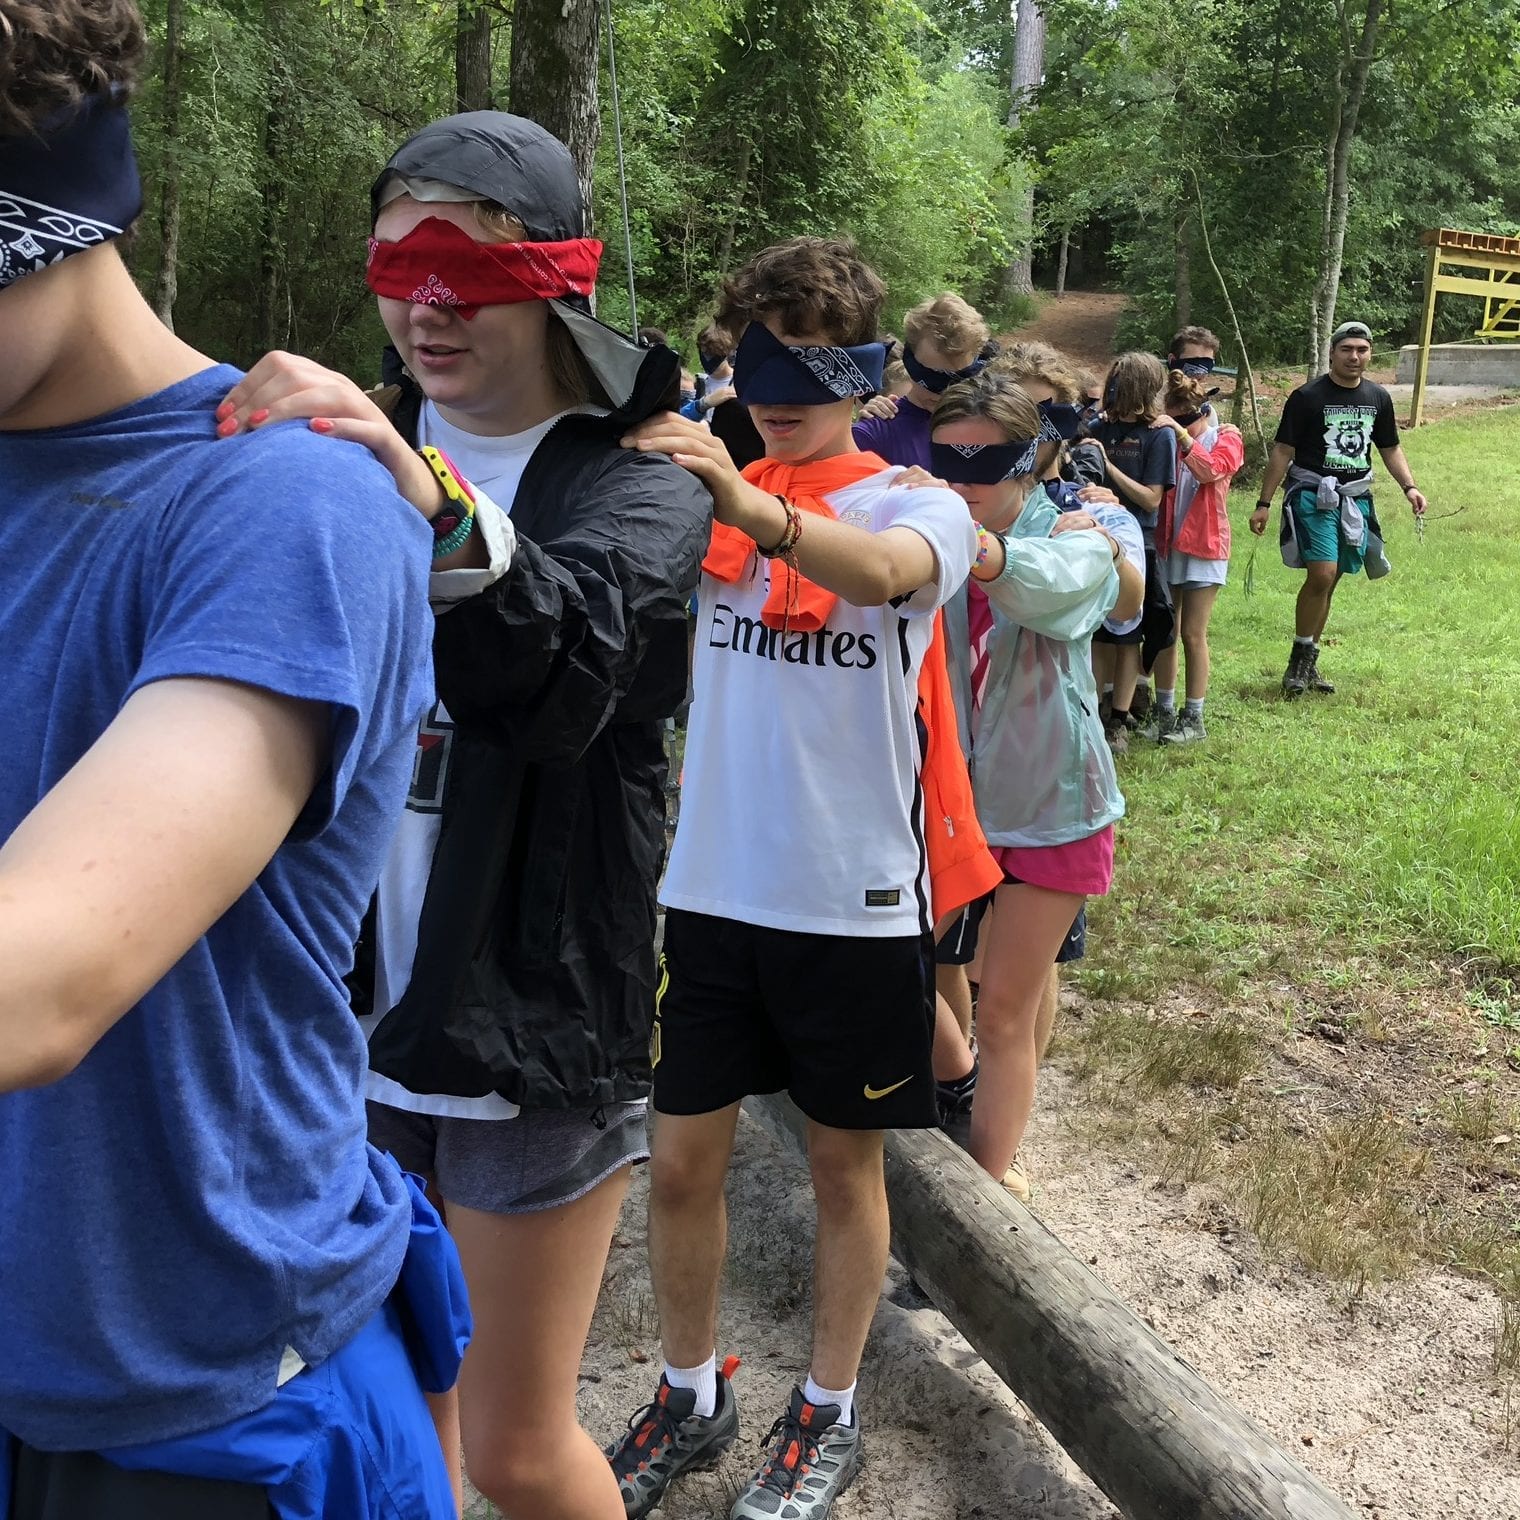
(271, 237)
(1350, 88)
(1183, 285)
(166, 285)
(1028, 71)
(1062, 261)
(472, 56)
(726, 247)
(554, 75)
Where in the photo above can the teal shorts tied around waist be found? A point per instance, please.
(1319, 534)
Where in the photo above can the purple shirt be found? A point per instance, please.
(903, 439)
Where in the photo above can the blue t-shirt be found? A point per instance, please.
(903, 439)
(198, 1194)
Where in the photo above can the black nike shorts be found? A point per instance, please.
(842, 1023)
(959, 945)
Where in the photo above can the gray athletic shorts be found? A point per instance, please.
(539, 1160)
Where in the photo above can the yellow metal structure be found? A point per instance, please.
(1498, 257)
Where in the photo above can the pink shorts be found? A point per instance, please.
(1085, 867)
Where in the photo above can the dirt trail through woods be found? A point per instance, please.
(1082, 324)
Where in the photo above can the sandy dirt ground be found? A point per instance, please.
(1390, 1401)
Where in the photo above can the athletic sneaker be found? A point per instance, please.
(1016, 1180)
(1159, 727)
(955, 1098)
(1296, 677)
(812, 1460)
(1188, 729)
(1316, 681)
(665, 1439)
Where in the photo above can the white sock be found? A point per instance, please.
(1108, 690)
(703, 1381)
(1195, 707)
(844, 1397)
(1298, 638)
(1167, 700)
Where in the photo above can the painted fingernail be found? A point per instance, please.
(262, 415)
(226, 429)
(319, 424)
(224, 411)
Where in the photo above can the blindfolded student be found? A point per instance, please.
(1193, 539)
(1046, 794)
(798, 951)
(509, 978)
(1141, 467)
(945, 339)
(218, 1300)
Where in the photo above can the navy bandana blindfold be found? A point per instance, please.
(1194, 369)
(1058, 421)
(938, 380)
(70, 190)
(768, 372)
(982, 464)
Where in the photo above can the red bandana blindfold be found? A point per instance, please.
(440, 264)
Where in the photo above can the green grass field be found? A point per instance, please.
(1342, 869)
(1385, 818)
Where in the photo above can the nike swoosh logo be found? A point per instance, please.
(873, 1093)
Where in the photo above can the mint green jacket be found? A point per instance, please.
(1039, 762)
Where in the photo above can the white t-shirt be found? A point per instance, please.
(494, 466)
(800, 804)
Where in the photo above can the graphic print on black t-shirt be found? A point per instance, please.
(430, 769)
(1333, 428)
(1146, 454)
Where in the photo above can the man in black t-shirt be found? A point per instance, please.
(1324, 445)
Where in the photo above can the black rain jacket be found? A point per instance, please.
(535, 968)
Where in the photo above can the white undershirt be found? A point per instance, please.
(494, 467)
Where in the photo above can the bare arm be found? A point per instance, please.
(1147, 498)
(1398, 467)
(155, 832)
(866, 569)
(1277, 466)
(1131, 591)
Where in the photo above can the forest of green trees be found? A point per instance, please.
(1293, 149)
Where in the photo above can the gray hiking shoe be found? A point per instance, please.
(1296, 676)
(665, 1439)
(1188, 729)
(811, 1462)
(1159, 727)
(1316, 681)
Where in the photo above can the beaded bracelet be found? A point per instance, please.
(983, 546)
(791, 536)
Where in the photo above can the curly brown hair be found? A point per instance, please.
(814, 286)
(57, 53)
(1033, 360)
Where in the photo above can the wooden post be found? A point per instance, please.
(1132, 1414)
(1427, 326)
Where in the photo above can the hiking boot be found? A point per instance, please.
(665, 1439)
(1316, 681)
(1117, 735)
(1159, 727)
(811, 1462)
(1141, 703)
(1296, 677)
(1188, 729)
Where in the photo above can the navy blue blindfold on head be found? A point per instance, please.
(982, 464)
(67, 190)
(1058, 421)
(768, 372)
(1194, 369)
(938, 380)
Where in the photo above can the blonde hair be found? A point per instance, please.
(993, 398)
(1134, 384)
(573, 377)
(1033, 360)
(1184, 393)
(954, 326)
(894, 378)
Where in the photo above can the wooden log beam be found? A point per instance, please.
(1139, 1420)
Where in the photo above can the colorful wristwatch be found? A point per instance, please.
(453, 525)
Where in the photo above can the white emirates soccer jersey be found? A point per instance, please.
(800, 802)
